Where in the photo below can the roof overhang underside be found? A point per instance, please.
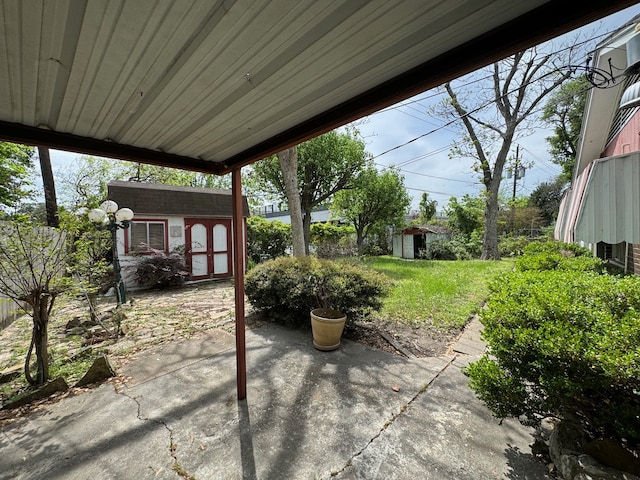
(213, 85)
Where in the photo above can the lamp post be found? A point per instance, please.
(112, 218)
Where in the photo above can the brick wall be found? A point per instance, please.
(634, 259)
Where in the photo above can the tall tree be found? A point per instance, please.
(547, 197)
(85, 185)
(49, 185)
(492, 119)
(465, 215)
(16, 163)
(326, 164)
(288, 160)
(427, 208)
(377, 199)
(564, 111)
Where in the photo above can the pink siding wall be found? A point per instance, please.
(628, 140)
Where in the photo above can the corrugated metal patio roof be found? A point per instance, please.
(211, 85)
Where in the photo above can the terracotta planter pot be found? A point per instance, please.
(327, 326)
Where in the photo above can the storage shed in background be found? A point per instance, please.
(413, 242)
(168, 217)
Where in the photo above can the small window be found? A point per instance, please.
(147, 233)
(619, 252)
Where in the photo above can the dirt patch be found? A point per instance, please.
(401, 339)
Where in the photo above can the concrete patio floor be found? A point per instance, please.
(354, 413)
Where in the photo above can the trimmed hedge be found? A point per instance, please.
(288, 288)
(563, 342)
(540, 256)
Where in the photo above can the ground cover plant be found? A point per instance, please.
(563, 342)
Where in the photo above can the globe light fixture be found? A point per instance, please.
(110, 217)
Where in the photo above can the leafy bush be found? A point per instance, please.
(563, 343)
(512, 246)
(289, 288)
(539, 256)
(267, 239)
(333, 241)
(157, 269)
(443, 250)
(459, 247)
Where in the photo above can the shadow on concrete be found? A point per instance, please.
(351, 413)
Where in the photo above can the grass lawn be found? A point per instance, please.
(436, 292)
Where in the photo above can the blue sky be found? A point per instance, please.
(429, 167)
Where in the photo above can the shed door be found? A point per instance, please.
(198, 251)
(208, 243)
(221, 249)
(407, 246)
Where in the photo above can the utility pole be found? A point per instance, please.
(516, 176)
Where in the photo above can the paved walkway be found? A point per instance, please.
(354, 413)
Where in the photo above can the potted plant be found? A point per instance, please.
(327, 326)
(327, 323)
(289, 289)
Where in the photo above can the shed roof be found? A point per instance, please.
(157, 199)
(418, 230)
(212, 85)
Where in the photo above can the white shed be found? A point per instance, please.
(412, 242)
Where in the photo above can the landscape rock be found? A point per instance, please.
(567, 447)
(48, 389)
(100, 370)
(10, 373)
(567, 438)
(613, 454)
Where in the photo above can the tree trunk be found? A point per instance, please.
(490, 250)
(289, 165)
(39, 340)
(50, 199)
(306, 231)
(360, 240)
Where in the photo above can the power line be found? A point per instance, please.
(483, 105)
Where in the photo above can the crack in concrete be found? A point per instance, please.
(176, 467)
(393, 418)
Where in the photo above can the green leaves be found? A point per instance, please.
(377, 199)
(16, 162)
(568, 337)
(288, 288)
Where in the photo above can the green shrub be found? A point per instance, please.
(157, 269)
(267, 239)
(512, 246)
(288, 288)
(540, 256)
(443, 250)
(563, 343)
(565, 249)
(333, 241)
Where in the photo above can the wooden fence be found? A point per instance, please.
(9, 312)
(47, 240)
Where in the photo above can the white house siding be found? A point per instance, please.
(174, 241)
